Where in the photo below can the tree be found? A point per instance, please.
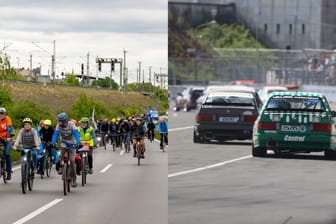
(105, 83)
(71, 80)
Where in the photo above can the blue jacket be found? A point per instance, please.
(162, 127)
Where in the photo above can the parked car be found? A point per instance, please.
(187, 100)
(297, 122)
(227, 114)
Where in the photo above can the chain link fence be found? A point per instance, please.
(265, 66)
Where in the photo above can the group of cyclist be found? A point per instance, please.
(73, 135)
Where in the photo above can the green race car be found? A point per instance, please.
(295, 122)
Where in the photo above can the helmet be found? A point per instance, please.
(84, 120)
(62, 117)
(47, 122)
(118, 119)
(27, 120)
(2, 110)
(113, 120)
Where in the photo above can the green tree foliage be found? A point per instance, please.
(83, 107)
(5, 97)
(8, 73)
(105, 83)
(71, 80)
(20, 110)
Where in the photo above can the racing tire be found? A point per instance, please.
(196, 138)
(258, 151)
(330, 154)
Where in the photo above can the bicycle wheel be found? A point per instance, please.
(68, 170)
(24, 174)
(138, 150)
(3, 170)
(48, 166)
(104, 141)
(65, 179)
(30, 178)
(84, 169)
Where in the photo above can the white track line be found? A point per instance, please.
(106, 168)
(178, 129)
(209, 167)
(38, 211)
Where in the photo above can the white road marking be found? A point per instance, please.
(38, 211)
(106, 168)
(209, 167)
(178, 129)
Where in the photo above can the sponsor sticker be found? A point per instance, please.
(289, 138)
(293, 128)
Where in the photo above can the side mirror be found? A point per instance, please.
(333, 113)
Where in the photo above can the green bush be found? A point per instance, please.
(20, 110)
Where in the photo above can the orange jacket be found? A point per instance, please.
(5, 124)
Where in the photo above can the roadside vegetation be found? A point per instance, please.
(187, 43)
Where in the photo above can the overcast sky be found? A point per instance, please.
(102, 27)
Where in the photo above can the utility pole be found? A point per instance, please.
(125, 74)
(150, 78)
(53, 61)
(139, 72)
(31, 66)
(87, 67)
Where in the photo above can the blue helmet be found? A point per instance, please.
(62, 117)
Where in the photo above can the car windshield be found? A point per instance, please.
(301, 103)
(230, 99)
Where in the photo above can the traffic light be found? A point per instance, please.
(99, 66)
(112, 66)
(82, 70)
(157, 78)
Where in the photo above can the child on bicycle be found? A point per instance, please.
(27, 139)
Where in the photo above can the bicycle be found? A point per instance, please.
(127, 142)
(151, 135)
(114, 141)
(84, 162)
(163, 138)
(67, 169)
(3, 171)
(48, 160)
(105, 135)
(27, 170)
(139, 154)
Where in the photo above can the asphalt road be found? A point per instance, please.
(123, 194)
(287, 189)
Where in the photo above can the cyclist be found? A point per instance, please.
(163, 130)
(138, 131)
(87, 135)
(104, 130)
(113, 129)
(28, 139)
(69, 140)
(6, 129)
(125, 129)
(150, 129)
(46, 134)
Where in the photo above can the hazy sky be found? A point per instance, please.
(102, 27)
